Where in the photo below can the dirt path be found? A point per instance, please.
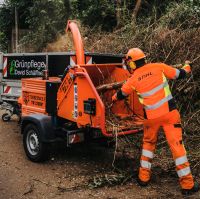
(20, 178)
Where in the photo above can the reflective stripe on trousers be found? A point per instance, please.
(183, 172)
(145, 164)
(174, 139)
(181, 160)
(147, 153)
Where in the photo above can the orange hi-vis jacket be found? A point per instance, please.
(150, 83)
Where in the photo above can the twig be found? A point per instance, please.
(115, 130)
(63, 189)
(30, 190)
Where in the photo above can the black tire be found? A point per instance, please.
(35, 149)
(6, 117)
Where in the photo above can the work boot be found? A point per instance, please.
(194, 189)
(142, 183)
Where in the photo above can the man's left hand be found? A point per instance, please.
(187, 67)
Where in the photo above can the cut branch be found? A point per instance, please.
(110, 86)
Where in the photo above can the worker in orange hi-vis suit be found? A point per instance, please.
(149, 80)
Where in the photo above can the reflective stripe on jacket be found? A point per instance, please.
(150, 83)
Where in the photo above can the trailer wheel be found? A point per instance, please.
(35, 149)
(6, 117)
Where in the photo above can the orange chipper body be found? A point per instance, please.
(80, 85)
(77, 92)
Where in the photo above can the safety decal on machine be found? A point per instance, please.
(124, 64)
(5, 63)
(88, 60)
(75, 101)
(7, 90)
(72, 60)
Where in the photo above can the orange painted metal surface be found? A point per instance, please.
(107, 73)
(78, 44)
(75, 88)
(34, 95)
(80, 84)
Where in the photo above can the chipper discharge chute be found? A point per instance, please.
(77, 106)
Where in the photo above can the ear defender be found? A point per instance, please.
(132, 65)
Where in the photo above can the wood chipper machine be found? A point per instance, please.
(76, 107)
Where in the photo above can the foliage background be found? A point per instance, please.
(45, 20)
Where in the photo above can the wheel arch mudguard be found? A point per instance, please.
(44, 125)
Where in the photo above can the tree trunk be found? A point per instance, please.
(118, 13)
(136, 9)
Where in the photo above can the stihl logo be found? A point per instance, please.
(144, 76)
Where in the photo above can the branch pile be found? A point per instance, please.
(172, 46)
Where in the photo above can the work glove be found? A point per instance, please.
(187, 67)
(114, 97)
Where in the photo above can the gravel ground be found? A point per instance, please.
(67, 173)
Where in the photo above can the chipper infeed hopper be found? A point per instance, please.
(85, 95)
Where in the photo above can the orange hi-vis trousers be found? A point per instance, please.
(171, 124)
